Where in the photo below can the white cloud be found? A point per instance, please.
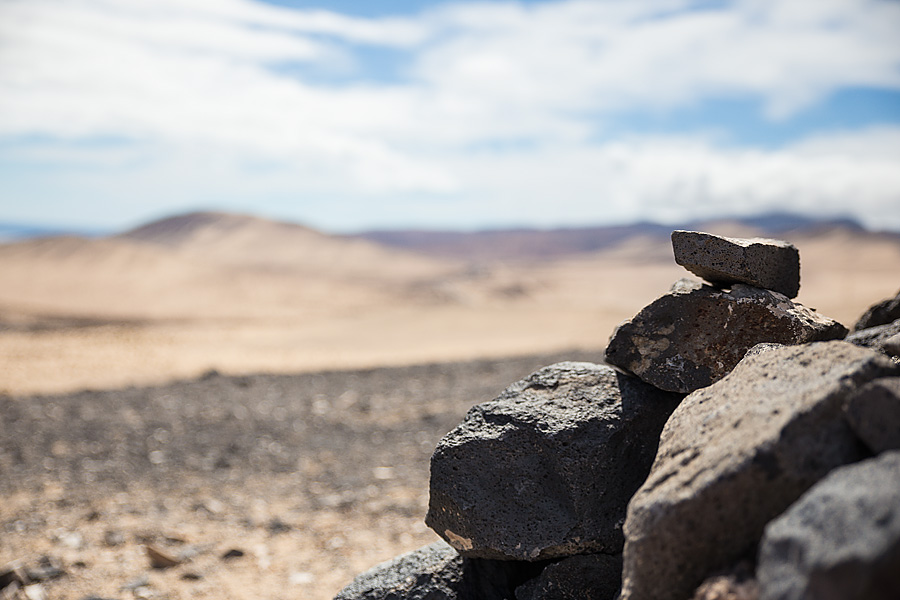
(496, 112)
(680, 178)
(608, 56)
(668, 179)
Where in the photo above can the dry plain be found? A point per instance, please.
(244, 295)
(194, 384)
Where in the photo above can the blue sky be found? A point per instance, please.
(353, 115)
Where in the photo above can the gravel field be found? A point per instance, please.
(307, 479)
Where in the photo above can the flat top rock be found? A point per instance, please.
(761, 262)
(742, 242)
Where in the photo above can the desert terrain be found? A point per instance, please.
(217, 382)
(243, 295)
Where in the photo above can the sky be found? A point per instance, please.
(352, 115)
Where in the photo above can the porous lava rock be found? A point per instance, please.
(878, 337)
(840, 540)
(582, 577)
(547, 468)
(695, 334)
(438, 572)
(723, 261)
(735, 455)
(886, 311)
(874, 414)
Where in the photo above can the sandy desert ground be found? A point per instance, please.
(246, 385)
(243, 295)
(313, 477)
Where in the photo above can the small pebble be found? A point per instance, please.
(113, 538)
(160, 559)
(276, 525)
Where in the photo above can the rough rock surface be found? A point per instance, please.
(876, 337)
(582, 577)
(735, 583)
(438, 572)
(891, 346)
(547, 468)
(763, 263)
(874, 414)
(886, 311)
(736, 454)
(694, 335)
(841, 540)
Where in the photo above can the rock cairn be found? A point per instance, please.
(739, 449)
(694, 335)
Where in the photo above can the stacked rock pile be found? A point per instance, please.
(740, 450)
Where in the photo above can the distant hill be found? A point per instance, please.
(240, 294)
(514, 243)
(248, 241)
(548, 244)
(779, 222)
(202, 265)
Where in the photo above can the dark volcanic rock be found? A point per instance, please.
(874, 414)
(763, 263)
(583, 577)
(438, 572)
(546, 469)
(841, 540)
(886, 311)
(877, 337)
(694, 335)
(736, 454)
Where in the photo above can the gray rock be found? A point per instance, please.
(735, 455)
(874, 414)
(685, 285)
(432, 571)
(763, 263)
(583, 577)
(694, 335)
(547, 468)
(438, 572)
(878, 337)
(886, 311)
(891, 346)
(735, 583)
(841, 540)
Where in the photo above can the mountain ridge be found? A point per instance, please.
(254, 241)
(548, 244)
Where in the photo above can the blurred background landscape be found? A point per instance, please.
(257, 256)
(182, 296)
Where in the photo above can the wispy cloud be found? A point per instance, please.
(495, 107)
